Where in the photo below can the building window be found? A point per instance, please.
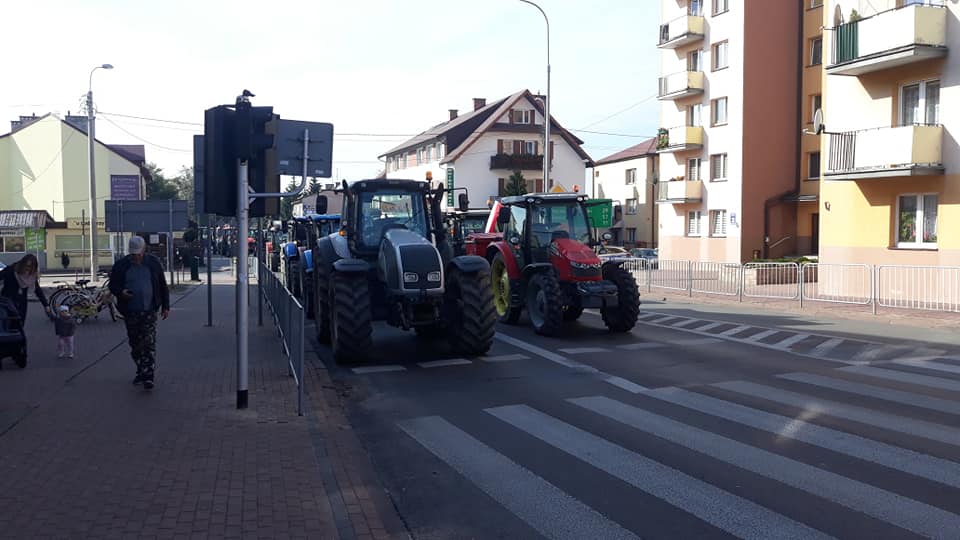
(813, 166)
(631, 176)
(403, 160)
(719, 54)
(718, 111)
(917, 220)
(695, 60)
(815, 3)
(632, 207)
(920, 103)
(718, 223)
(816, 102)
(720, 6)
(693, 223)
(695, 7)
(718, 167)
(430, 153)
(816, 51)
(694, 115)
(420, 159)
(522, 116)
(530, 147)
(441, 150)
(693, 169)
(632, 235)
(13, 244)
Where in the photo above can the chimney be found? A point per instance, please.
(453, 114)
(479, 103)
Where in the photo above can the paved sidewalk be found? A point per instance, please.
(85, 454)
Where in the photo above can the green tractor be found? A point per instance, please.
(392, 260)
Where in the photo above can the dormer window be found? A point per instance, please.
(519, 116)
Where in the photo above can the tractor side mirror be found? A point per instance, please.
(515, 240)
(321, 204)
(606, 237)
(464, 202)
(503, 216)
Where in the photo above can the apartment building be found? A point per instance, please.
(890, 190)
(629, 178)
(481, 149)
(729, 170)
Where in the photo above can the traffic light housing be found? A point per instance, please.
(262, 162)
(220, 161)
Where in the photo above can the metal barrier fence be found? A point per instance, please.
(931, 288)
(288, 317)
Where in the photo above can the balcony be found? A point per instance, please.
(889, 39)
(680, 191)
(885, 153)
(681, 31)
(681, 85)
(517, 162)
(679, 139)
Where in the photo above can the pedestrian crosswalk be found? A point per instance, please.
(870, 445)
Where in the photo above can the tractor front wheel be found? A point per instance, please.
(545, 304)
(470, 311)
(623, 317)
(500, 279)
(350, 325)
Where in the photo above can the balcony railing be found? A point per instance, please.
(680, 191)
(680, 85)
(680, 138)
(885, 152)
(889, 39)
(681, 31)
(517, 162)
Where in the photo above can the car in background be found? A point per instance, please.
(649, 256)
(612, 252)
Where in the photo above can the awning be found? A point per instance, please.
(24, 219)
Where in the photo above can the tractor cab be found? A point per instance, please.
(545, 263)
(462, 226)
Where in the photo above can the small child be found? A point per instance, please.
(65, 327)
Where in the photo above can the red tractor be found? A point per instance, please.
(544, 262)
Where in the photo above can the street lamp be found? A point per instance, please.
(93, 175)
(546, 105)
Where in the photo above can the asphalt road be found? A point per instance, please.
(698, 424)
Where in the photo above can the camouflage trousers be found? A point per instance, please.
(142, 336)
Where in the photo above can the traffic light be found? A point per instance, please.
(220, 161)
(263, 176)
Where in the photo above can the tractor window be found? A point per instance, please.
(382, 210)
(518, 218)
(473, 224)
(559, 220)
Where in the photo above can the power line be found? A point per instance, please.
(141, 139)
(613, 134)
(152, 119)
(618, 113)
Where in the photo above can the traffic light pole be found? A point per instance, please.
(243, 291)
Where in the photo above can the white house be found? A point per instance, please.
(480, 150)
(629, 178)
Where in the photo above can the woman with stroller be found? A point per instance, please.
(16, 281)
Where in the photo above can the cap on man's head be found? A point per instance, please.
(136, 245)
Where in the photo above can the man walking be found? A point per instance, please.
(138, 284)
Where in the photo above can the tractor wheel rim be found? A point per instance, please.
(537, 306)
(501, 289)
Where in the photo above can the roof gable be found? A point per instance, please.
(127, 153)
(644, 149)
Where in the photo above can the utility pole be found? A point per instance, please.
(91, 137)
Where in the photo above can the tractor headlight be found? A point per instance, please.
(434, 277)
(584, 266)
(410, 277)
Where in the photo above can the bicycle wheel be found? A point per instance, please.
(79, 305)
(57, 297)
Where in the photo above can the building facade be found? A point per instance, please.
(629, 177)
(44, 168)
(890, 190)
(729, 173)
(480, 150)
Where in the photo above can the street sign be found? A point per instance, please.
(145, 216)
(289, 148)
(600, 212)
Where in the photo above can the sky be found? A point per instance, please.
(379, 70)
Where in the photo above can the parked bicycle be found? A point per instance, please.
(85, 301)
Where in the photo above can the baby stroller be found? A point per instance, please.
(13, 341)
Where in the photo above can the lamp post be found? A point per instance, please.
(546, 106)
(93, 175)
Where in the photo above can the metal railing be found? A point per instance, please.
(929, 288)
(288, 316)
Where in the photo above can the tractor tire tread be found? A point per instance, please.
(623, 317)
(477, 317)
(352, 318)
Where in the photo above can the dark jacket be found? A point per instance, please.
(10, 288)
(118, 282)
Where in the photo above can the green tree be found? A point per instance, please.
(313, 187)
(286, 203)
(158, 186)
(516, 185)
(183, 182)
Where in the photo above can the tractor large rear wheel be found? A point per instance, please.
(545, 304)
(321, 304)
(350, 325)
(500, 279)
(470, 312)
(623, 317)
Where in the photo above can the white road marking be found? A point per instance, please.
(543, 353)
(824, 348)
(896, 509)
(697, 341)
(505, 358)
(786, 343)
(761, 335)
(638, 346)
(445, 363)
(377, 369)
(584, 350)
(926, 364)
(688, 322)
(734, 330)
(662, 319)
(871, 353)
(629, 386)
(544, 507)
(878, 392)
(905, 377)
(711, 326)
(726, 511)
